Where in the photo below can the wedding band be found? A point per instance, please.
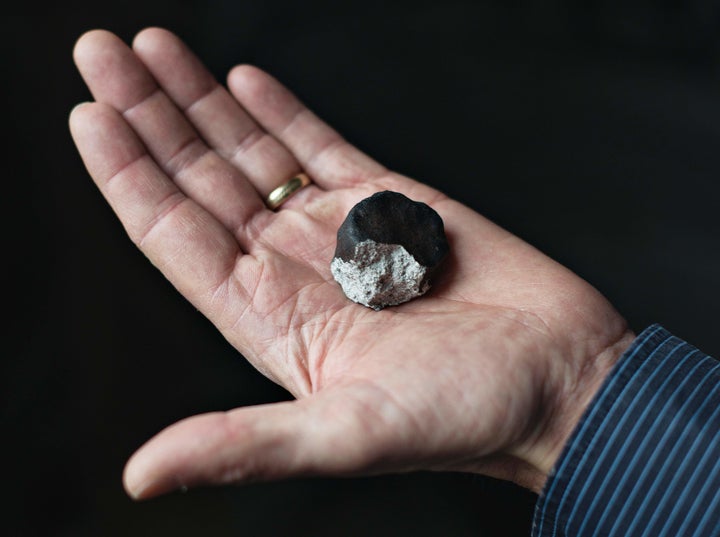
(284, 192)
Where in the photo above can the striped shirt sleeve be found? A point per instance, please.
(644, 461)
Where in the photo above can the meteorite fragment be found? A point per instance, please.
(388, 249)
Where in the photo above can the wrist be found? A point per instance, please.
(568, 399)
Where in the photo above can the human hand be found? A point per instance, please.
(489, 372)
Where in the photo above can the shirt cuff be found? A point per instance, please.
(644, 460)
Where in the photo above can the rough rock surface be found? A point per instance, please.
(388, 248)
(380, 275)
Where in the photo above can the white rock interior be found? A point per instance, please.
(380, 275)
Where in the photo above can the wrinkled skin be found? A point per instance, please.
(487, 373)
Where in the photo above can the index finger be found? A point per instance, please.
(116, 76)
(192, 248)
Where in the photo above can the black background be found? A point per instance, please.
(590, 129)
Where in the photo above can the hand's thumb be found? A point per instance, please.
(258, 443)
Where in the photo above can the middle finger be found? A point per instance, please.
(118, 78)
(219, 118)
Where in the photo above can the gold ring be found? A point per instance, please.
(284, 192)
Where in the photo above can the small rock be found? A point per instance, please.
(388, 249)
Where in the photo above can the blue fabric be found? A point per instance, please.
(644, 461)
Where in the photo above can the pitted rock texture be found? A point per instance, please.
(388, 249)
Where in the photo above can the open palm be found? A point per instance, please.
(488, 372)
